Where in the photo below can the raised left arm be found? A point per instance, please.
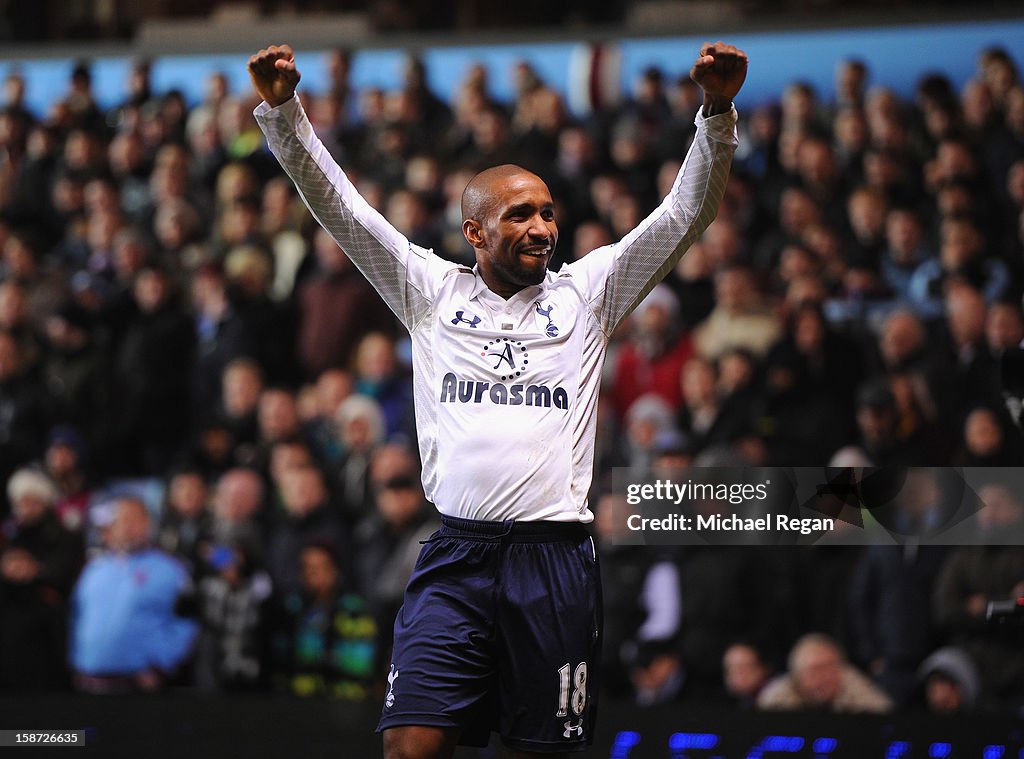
(617, 277)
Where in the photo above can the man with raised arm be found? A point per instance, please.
(500, 628)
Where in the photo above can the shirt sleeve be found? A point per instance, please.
(405, 275)
(615, 278)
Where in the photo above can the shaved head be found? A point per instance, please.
(508, 217)
(479, 198)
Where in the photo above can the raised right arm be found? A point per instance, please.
(405, 275)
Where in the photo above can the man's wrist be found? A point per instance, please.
(277, 103)
(714, 105)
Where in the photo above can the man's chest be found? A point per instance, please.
(522, 340)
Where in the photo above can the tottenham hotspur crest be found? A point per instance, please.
(389, 701)
(551, 330)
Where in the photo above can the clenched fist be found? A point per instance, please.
(274, 74)
(720, 70)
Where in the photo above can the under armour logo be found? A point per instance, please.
(551, 330)
(571, 729)
(461, 319)
(389, 701)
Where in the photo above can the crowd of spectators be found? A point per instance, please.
(206, 437)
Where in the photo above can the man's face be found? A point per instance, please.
(518, 233)
(188, 494)
(302, 491)
(239, 495)
(901, 338)
(130, 529)
(943, 695)
(818, 674)
(278, 417)
(319, 572)
(29, 509)
(744, 672)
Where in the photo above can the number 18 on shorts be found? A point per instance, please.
(500, 634)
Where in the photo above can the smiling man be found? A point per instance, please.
(500, 628)
(510, 221)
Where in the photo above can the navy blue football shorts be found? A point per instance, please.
(500, 631)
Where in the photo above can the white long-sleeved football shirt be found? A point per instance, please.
(506, 390)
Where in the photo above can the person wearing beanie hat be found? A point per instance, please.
(951, 681)
(38, 565)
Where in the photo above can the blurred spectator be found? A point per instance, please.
(360, 429)
(336, 307)
(970, 578)
(975, 372)
(151, 379)
(125, 635)
(820, 678)
(39, 560)
(890, 594)
(656, 673)
(905, 249)
(818, 173)
(222, 337)
(309, 515)
(878, 429)
(962, 256)
(828, 364)
(327, 643)
(851, 80)
(431, 112)
(989, 440)
(866, 211)
(81, 105)
(694, 285)
(1004, 327)
(379, 376)
(282, 221)
(24, 412)
(277, 418)
(248, 269)
(746, 672)
(903, 350)
(15, 321)
(44, 285)
(285, 456)
(951, 682)
(727, 592)
(643, 611)
(650, 421)
(185, 527)
(73, 369)
(389, 542)
(332, 387)
(651, 359)
(1001, 518)
(739, 319)
(705, 418)
(800, 107)
(234, 599)
(239, 511)
(66, 463)
(241, 390)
